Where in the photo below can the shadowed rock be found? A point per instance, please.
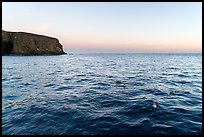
(172, 92)
(22, 43)
(118, 82)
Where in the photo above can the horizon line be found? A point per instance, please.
(133, 53)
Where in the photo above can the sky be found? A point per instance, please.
(111, 26)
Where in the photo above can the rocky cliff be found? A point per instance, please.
(21, 43)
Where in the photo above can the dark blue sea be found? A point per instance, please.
(102, 94)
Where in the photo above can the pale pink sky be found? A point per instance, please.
(112, 27)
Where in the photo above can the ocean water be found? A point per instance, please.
(102, 94)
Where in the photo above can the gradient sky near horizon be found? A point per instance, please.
(111, 26)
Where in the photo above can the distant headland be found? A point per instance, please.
(23, 43)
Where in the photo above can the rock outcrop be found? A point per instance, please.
(21, 43)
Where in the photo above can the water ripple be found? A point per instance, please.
(102, 94)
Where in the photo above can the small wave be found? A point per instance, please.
(137, 83)
(62, 88)
(102, 84)
(27, 84)
(99, 87)
(83, 79)
(173, 68)
(9, 68)
(182, 75)
(162, 126)
(50, 85)
(154, 91)
(11, 97)
(80, 75)
(17, 78)
(109, 76)
(51, 73)
(105, 119)
(67, 79)
(171, 83)
(113, 103)
(4, 79)
(182, 82)
(58, 71)
(181, 109)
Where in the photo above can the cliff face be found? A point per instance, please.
(21, 43)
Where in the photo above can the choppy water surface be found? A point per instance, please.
(102, 94)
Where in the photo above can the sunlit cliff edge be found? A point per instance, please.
(23, 43)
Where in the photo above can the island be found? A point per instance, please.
(23, 43)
